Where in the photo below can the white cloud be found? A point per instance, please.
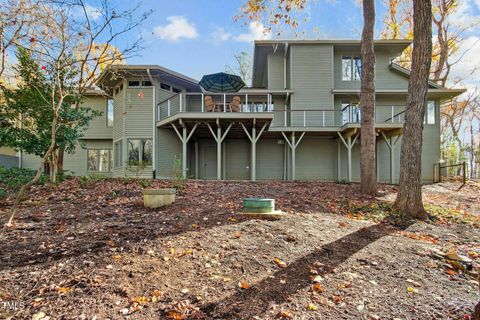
(256, 31)
(469, 56)
(93, 12)
(220, 35)
(177, 28)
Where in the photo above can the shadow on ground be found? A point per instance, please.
(246, 304)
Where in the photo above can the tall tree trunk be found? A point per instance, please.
(60, 157)
(368, 174)
(409, 197)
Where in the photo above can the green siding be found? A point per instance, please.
(275, 71)
(311, 76)
(238, 159)
(76, 163)
(98, 126)
(384, 77)
(316, 159)
(167, 147)
(139, 113)
(270, 159)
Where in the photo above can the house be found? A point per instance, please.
(300, 119)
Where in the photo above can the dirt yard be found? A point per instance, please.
(91, 251)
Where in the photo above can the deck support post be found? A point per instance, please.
(349, 145)
(293, 144)
(184, 137)
(253, 140)
(391, 145)
(219, 139)
(339, 162)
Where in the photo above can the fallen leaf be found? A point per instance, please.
(232, 219)
(280, 263)
(243, 284)
(412, 290)
(317, 288)
(64, 290)
(141, 300)
(312, 307)
(285, 314)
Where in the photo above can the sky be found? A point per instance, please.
(197, 37)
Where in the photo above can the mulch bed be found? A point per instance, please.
(92, 251)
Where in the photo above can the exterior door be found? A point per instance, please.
(209, 161)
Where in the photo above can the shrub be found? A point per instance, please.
(12, 179)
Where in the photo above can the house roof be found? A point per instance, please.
(114, 73)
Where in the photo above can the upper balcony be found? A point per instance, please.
(272, 106)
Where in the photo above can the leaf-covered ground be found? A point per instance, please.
(89, 250)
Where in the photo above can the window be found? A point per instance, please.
(346, 69)
(351, 68)
(117, 151)
(109, 113)
(140, 150)
(165, 86)
(134, 83)
(147, 83)
(430, 112)
(99, 160)
(176, 90)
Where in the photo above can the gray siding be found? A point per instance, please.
(8, 161)
(139, 113)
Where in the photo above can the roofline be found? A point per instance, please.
(119, 67)
(405, 71)
(337, 41)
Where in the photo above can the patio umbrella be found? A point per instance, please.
(221, 82)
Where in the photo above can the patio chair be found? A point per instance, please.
(235, 104)
(210, 106)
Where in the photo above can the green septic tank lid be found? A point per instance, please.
(260, 205)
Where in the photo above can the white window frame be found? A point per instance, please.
(106, 112)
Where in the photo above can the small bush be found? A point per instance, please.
(3, 193)
(145, 183)
(86, 181)
(12, 179)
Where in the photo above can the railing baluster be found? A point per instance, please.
(168, 109)
(323, 118)
(285, 123)
(246, 102)
(181, 107)
(203, 102)
(304, 118)
(393, 114)
(224, 102)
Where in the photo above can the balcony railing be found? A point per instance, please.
(309, 117)
(195, 102)
(383, 114)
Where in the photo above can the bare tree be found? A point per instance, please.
(368, 176)
(16, 20)
(69, 45)
(242, 67)
(409, 197)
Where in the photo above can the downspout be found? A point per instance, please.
(154, 127)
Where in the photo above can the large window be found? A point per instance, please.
(351, 68)
(140, 150)
(117, 150)
(109, 113)
(99, 160)
(430, 112)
